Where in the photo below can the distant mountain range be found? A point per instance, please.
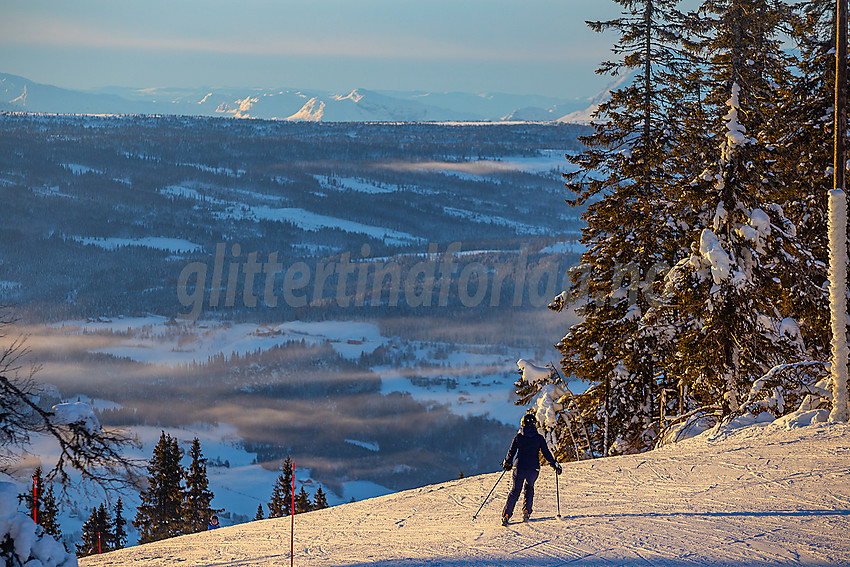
(18, 94)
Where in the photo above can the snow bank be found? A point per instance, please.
(31, 547)
(798, 419)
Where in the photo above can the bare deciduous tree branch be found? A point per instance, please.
(96, 454)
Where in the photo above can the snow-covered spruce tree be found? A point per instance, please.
(159, 516)
(555, 408)
(625, 178)
(259, 515)
(281, 501)
(726, 296)
(197, 497)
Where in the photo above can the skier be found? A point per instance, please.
(527, 445)
(213, 523)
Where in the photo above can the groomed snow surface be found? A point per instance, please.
(758, 495)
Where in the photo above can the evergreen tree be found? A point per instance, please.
(303, 502)
(259, 514)
(281, 501)
(320, 500)
(41, 504)
(725, 295)
(632, 195)
(804, 150)
(49, 518)
(97, 535)
(88, 545)
(693, 162)
(119, 531)
(197, 496)
(159, 516)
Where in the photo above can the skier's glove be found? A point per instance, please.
(557, 467)
(506, 464)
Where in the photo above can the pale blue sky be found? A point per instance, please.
(518, 46)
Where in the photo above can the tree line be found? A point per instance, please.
(175, 501)
(706, 181)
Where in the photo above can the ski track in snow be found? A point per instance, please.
(760, 495)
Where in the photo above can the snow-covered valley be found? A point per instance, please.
(760, 495)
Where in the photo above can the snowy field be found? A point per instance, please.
(240, 209)
(760, 495)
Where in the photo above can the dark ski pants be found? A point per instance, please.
(521, 476)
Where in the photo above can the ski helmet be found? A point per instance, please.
(529, 419)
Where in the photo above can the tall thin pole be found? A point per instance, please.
(838, 225)
(35, 498)
(292, 522)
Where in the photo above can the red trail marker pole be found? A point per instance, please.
(35, 499)
(292, 523)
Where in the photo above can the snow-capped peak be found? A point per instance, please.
(312, 111)
(353, 96)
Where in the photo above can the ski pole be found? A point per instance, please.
(488, 496)
(558, 493)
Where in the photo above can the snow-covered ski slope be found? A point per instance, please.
(761, 495)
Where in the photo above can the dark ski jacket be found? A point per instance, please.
(526, 447)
